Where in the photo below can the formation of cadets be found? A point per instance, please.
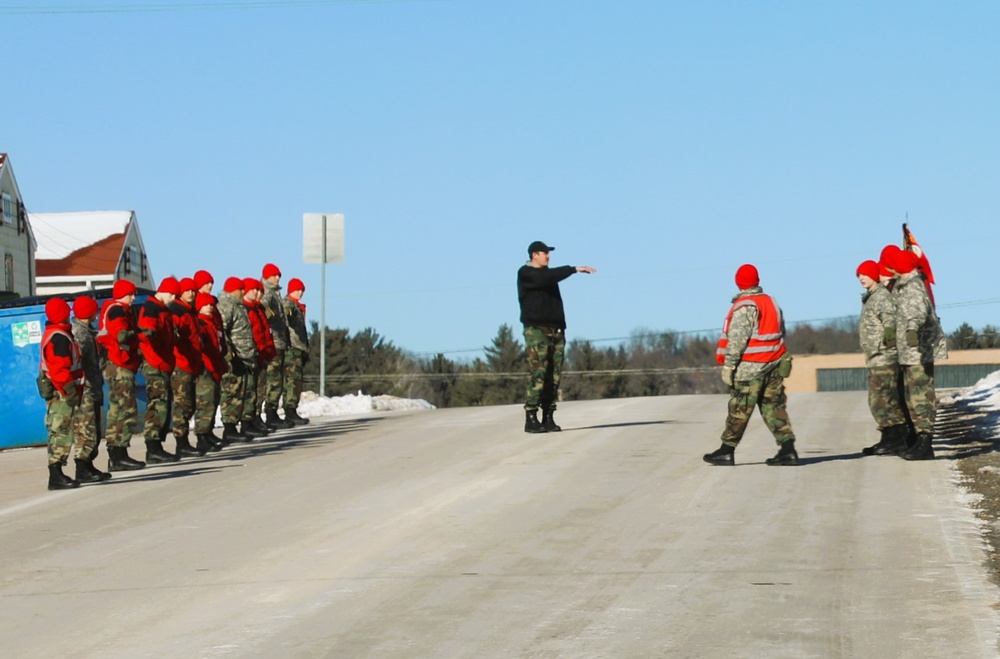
(239, 352)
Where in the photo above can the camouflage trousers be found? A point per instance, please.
(273, 381)
(766, 392)
(206, 396)
(182, 386)
(544, 347)
(251, 403)
(157, 403)
(884, 396)
(920, 397)
(87, 424)
(59, 423)
(233, 394)
(293, 378)
(122, 410)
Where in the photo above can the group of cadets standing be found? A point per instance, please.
(901, 338)
(197, 353)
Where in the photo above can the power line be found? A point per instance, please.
(163, 7)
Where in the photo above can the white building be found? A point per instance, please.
(17, 242)
(88, 250)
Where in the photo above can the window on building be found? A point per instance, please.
(8, 209)
(8, 272)
(127, 261)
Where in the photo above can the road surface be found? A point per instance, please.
(451, 533)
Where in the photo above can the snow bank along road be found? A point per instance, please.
(451, 533)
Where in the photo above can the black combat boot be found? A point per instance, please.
(185, 450)
(531, 423)
(250, 429)
(894, 440)
(292, 414)
(60, 481)
(786, 455)
(273, 420)
(206, 443)
(85, 472)
(870, 450)
(118, 460)
(724, 456)
(155, 455)
(922, 450)
(548, 422)
(259, 424)
(231, 434)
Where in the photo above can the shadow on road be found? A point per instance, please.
(620, 425)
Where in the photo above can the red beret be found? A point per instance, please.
(187, 284)
(869, 269)
(202, 299)
(233, 284)
(202, 277)
(250, 284)
(84, 307)
(169, 285)
(747, 277)
(57, 310)
(888, 255)
(270, 270)
(295, 285)
(122, 288)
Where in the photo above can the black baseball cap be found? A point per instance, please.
(539, 246)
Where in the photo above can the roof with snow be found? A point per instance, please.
(61, 235)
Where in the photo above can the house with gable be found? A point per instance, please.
(17, 241)
(82, 251)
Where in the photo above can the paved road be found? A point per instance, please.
(453, 534)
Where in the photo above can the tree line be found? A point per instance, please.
(649, 363)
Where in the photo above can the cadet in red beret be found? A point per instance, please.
(298, 349)
(87, 417)
(156, 340)
(60, 382)
(241, 356)
(117, 334)
(273, 385)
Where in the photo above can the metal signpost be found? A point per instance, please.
(322, 242)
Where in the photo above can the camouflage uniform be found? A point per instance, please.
(544, 348)
(188, 366)
(123, 412)
(59, 413)
(877, 329)
(755, 384)
(241, 355)
(87, 417)
(274, 374)
(298, 349)
(920, 342)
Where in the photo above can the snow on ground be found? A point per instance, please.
(984, 395)
(312, 404)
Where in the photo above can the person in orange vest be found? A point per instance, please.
(116, 334)
(754, 363)
(187, 367)
(61, 384)
(253, 289)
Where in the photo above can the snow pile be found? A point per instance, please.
(984, 395)
(311, 404)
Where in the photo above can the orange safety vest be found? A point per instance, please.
(767, 344)
(76, 361)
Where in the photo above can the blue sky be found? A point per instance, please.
(664, 143)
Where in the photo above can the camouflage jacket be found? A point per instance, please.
(275, 313)
(86, 338)
(296, 319)
(914, 312)
(878, 320)
(236, 329)
(741, 328)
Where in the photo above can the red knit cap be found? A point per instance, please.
(868, 269)
(233, 284)
(295, 285)
(905, 261)
(250, 284)
(122, 288)
(57, 310)
(202, 277)
(884, 271)
(170, 286)
(84, 307)
(747, 277)
(270, 270)
(187, 284)
(888, 255)
(203, 299)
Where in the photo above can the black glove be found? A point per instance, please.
(236, 367)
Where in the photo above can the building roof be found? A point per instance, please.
(79, 243)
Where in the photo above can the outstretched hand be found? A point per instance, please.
(586, 268)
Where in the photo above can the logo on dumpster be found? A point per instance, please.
(26, 333)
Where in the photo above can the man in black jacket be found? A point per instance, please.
(544, 332)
